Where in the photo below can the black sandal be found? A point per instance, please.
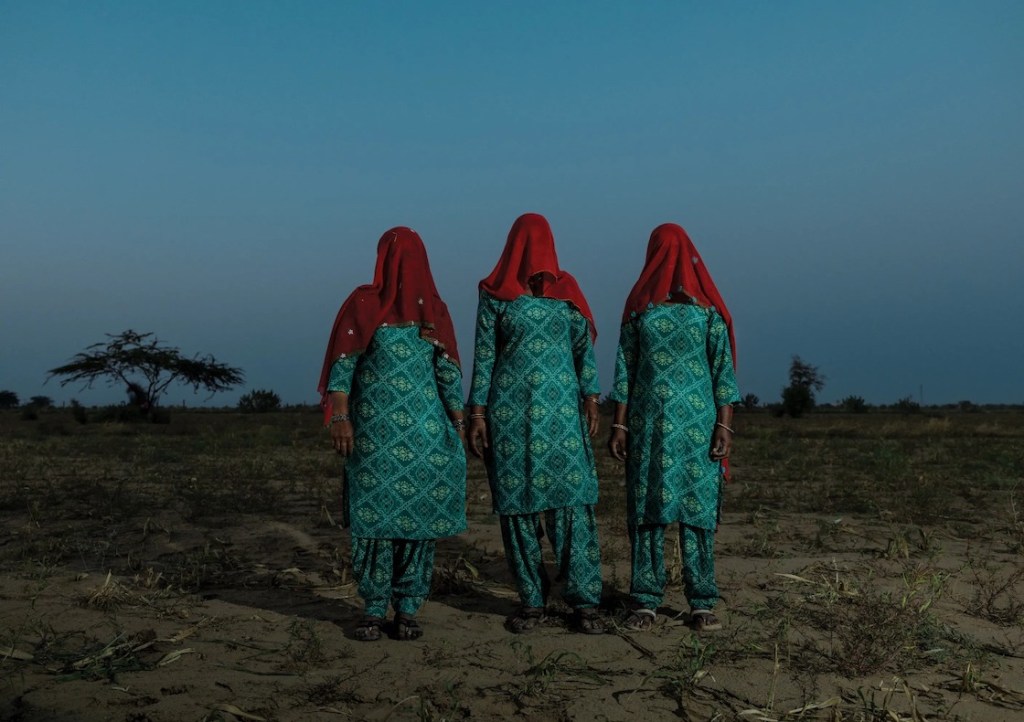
(588, 621)
(368, 629)
(525, 619)
(407, 628)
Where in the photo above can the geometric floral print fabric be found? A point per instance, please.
(673, 370)
(406, 477)
(573, 535)
(396, 571)
(648, 579)
(534, 362)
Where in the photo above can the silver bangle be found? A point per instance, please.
(621, 426)
(478, 416)
(730, 430)
(340, 417)
(459, 424)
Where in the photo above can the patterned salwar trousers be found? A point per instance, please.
(395, 571)
(573, 535)
(648, 580)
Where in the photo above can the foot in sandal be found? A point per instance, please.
(588, 621)
(639, 620)
(525, 619)
(704, 620)
(406, 628)
(368, 629)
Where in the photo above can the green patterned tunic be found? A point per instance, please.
(406, 478)
(533, 364)
(673, 369)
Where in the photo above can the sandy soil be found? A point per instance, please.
(271, 639)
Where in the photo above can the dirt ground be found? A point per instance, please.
(163, 577)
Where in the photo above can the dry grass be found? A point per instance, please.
(871, 568)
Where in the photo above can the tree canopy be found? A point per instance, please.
(804, 374)
(804, 380)
(146, 367)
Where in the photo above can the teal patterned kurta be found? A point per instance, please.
(674, 369)
(406, 478)
(533, 365)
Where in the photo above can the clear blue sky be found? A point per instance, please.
(219, 172)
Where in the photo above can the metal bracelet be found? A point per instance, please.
(478, 416)
(621, 426)
(459, 424)
(730, 430)
(340, 417)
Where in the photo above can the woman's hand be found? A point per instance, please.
(591, 414)
(721, 435)
(343, 437)
(617, 444)
(721, 443)
(478, 437)
(617, 440)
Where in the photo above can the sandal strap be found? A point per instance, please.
(640, 619)
(525, 618)
(704, 619)
(589, 621)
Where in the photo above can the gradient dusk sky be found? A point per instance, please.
(220, 172)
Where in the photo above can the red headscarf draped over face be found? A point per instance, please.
(529, 250)
(673, 267)
(402, 292)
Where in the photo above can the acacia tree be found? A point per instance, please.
(8, 399)
(804, 380)
(146, 367)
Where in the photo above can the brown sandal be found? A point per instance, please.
(368, 629)
(639, 620)
(406, 628)
(704, 620)
(588, 621)
(525, 619)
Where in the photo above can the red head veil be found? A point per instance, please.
(673, 267)
(529, 250)
(402, 292)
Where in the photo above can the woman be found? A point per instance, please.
(392, 393)
(533, 409)
(674, 386)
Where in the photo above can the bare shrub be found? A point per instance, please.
(259, 401)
